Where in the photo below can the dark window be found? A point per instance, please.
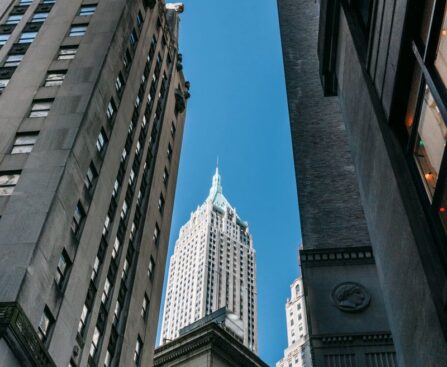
(145, 307)
(169, 152)
(138, 350)
(95, 342)
(90, 177)
(133, 38)
(111, 109)
(101, 141)
(119, 83)
(139, 19)
(363, 8)
(161, 203)
(24, 142)
(45, 324)
(156, 234)
(63, 267)
(78, 219)
(83, 320)
(173, 129)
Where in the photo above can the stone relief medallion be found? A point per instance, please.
(350, 297)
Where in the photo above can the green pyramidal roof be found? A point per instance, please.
(216, 196)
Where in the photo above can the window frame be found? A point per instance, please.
(33, 135)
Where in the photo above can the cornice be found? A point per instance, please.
(336, 256)
(21, 336)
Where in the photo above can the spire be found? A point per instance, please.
(216, 186)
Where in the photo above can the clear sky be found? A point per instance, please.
(238, 111)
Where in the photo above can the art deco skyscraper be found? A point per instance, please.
(92, 109)
(213, 266)
(297, 353)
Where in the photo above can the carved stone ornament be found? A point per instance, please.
(350, 297)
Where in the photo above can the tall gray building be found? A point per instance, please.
(213, 266)
(347, 321)
(366, 83)
(92, 111)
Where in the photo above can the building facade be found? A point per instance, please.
(297, 353)
(213, 266)
(346, 313)
(382, 68)
(92, 111)
(209, 345)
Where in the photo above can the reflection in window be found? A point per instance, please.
(8, 182)
(24, 143)
(441, 55)
(430, 142)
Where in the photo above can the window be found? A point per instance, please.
(55, 78)
(39, 17)
(87, 10)
(95, 269)
(363, 9)
(169, 152)
(77, 30)
(116, 187)
(161, 203)
(101, 141)
(156, 233)
(40, 108)
(106, 291)
(125, 272)
(124, 211)
(62, 269)
(14, 19)
(83, 320)
(67, 52)
(173, 129)
(4, 38)
(133, 39)
(139, 20)
(426, 119)
(78, 218)
(111, 109)
(150, 268)
(27, 37)
(138, 349)
(105, 229)
(13, 60)
(95, 342)
(25, 2)
(3, 84)
(144, 307)
(8, 181)
(24, 142)
(90, 177)
(119, 83)
(48, 1)
(45, 324)
(117, 312)
(116, 248)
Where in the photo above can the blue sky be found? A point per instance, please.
(238, 111)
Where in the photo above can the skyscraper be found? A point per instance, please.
(297, 353)
(213, 266)
(92, 111)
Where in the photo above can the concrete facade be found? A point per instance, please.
(346, 315)
(297, 353)
(213, 266)
(92, 122)
(383, 64)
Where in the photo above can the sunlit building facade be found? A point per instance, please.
(297, 353)
(213, 266)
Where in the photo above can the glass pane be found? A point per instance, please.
(430, 142)
(25, 140)
(6, 191)
(441, 56)
(22, 149)
(9, 179)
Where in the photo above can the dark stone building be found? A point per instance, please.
(213, 341)
(368, 108)
(92, 111)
